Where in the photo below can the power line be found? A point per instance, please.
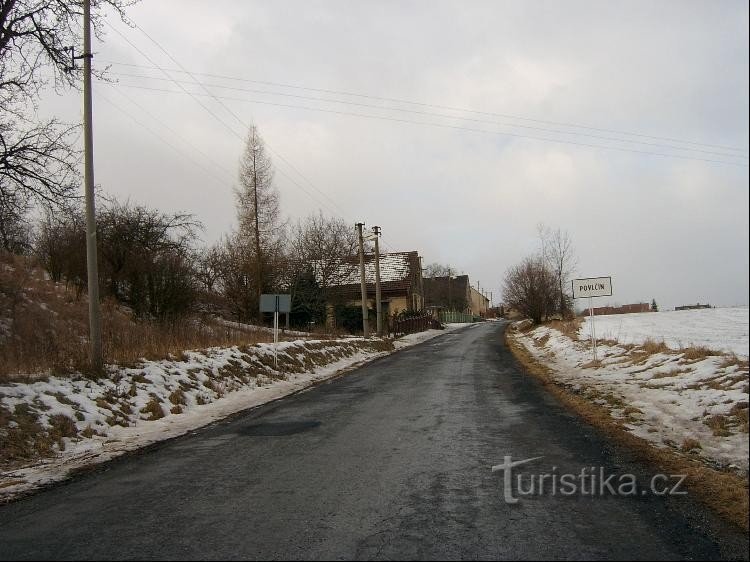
(213, 114)
(454, 127)
(442, 115)
(154, 133)
(241, 121)
(175, 133)
(450, 108)
(233, 114)
(181, 152)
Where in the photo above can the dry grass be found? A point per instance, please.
(674, 372)
(690, 444)
(568, 327)
(719, 425)
(153, 409)
(44, 328)
(698, 353)
(652, 347)
(739, 416)
(541, 342)
(177, 398)
(731, 360)
(724, 492)
(593, 364)
(25, 439)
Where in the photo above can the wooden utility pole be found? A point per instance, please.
(422, 308)
(450, 300)
(363, 281)
(378, 304)
(95, 324)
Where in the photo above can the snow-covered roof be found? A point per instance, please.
(397, 270)
(393, 267)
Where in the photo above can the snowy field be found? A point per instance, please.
(92, 421)
(724, 329)
(690, 402)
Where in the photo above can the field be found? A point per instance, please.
(676, 379)
(722, 329)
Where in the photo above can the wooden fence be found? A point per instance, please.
(410, 325)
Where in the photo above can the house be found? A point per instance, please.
(448, 293)
(401, 286)
(697, 306)
(479, 303)
(624, 309)
(454, 294)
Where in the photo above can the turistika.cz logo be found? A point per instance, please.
(589, 481)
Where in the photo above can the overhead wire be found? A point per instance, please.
(175, 148)
(449, 108)
(445, 116)
(454, 127)
(206, 108)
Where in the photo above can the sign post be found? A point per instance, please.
(276, 304)
(592, 287)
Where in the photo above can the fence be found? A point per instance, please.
(402, 326)
(454, 317)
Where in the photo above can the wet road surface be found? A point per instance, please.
(390, 461)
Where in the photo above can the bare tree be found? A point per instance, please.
(439, 270)
(318, 246)
(208, 267)
(260, 225)
(38, 165)
(146, 256)
(559, 254)
(235, 279)
(531, 288)
(38, 160)
(321, 243)
(15, 234)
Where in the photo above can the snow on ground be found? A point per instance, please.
(724, 329)
(265, 329)
(156, 400)
(696, 404)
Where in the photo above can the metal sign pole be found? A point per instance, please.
(275, 338)
(592, 287)
(276, 304)
(593, 326)
(276, 334)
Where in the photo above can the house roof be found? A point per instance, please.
(397, 271)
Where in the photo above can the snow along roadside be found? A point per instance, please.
(94, 421)
(694, 405)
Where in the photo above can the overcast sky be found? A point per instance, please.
(550, 85)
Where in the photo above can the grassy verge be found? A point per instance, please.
(724, 493)
(41, 419)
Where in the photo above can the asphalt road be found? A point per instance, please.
(391, 461)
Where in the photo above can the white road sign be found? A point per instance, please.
(592, 287)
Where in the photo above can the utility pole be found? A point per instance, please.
(450, 301)
(363, 282)
(95, 323)
(421, 285)
(378, 305)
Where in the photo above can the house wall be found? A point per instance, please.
(624, 309)
(395, 304)
(448, 293)
(479, 303)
